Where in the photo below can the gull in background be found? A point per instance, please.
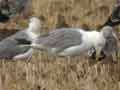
(9, 46)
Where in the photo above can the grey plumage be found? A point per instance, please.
(60, 39)
(111, 44)
(9, 48)
(73, 41)
(21, 35)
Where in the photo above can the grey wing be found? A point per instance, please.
(61, 38)
(9, 47)
(26, 55)
(21, 35)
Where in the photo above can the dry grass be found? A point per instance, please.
(76, 12)
(44, 72)
(55, 73)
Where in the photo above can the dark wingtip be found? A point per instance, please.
(22, 41)
(3, 18)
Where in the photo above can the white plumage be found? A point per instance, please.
(72, 41)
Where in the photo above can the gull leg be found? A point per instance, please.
(115, 56)
(98, 52)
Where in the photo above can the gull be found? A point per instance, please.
(71, 41)
(112, 21)
(9, 46)
(111, 47)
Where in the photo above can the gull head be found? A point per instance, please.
(34, 25)
(111, 44)
(107, 31)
